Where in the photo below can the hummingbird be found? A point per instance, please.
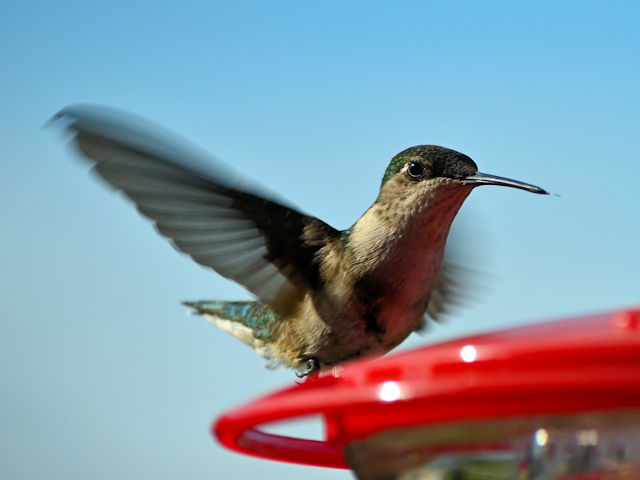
(322, 295)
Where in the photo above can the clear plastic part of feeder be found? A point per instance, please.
(585, 446)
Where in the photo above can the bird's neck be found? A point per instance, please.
(404, 234)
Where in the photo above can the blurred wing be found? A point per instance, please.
(457, 288)
(219, 219)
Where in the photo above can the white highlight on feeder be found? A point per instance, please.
(389, 392)
(542, 437)
(587, 437)
(468, 353)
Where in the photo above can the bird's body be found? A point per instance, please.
(370, 295)
(324, 296)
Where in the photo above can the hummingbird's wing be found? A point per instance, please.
(457, 287)
(219, 219)
(450, 292)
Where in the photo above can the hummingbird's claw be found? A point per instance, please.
(310, 365)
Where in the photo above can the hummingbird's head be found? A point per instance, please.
(421, 192)
(430, 170)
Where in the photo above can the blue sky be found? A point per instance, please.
(103, 374)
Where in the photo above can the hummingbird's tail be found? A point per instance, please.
(253, 323)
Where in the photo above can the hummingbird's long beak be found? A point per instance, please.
(487, 179)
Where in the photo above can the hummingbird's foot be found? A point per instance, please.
(310, 365)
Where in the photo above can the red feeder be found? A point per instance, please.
(553, 400)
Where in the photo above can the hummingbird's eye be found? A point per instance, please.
(415, 170)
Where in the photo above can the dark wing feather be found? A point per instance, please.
(456, 288)
(219, 219)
